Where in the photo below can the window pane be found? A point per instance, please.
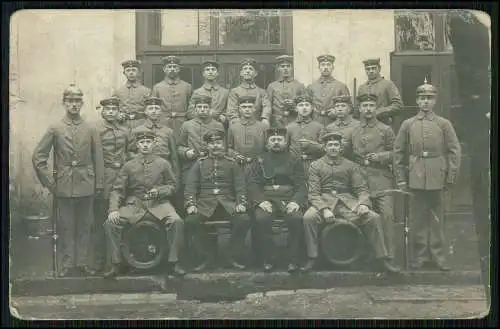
(447, 43)
(414, 76)
(242, 27)
(415, 30)
(185, 27)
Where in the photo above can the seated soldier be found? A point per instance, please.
(216, 185)
(338, 189)
(142, 191)
(277, 188)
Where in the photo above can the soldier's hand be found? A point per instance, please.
(363, 209)
(240, 208)
(373, 157)
(222, 118)
(328, 215)
(190, 154)
(265, 121)
(114, 217)
(192, 210)
(266, 206)
(291, 207)
(403, 186)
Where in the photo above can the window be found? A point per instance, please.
(185, 27)
(249, 27)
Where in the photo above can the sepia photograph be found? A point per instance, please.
(179, 164)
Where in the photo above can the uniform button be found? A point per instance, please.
(173, 114)
(117, 165)
(304, 156)
(322, 112)
(334, 192)
(367, 162)
(74, 163)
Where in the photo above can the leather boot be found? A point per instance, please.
(113, 272)
(176, 269)
(292, 268)
(268, 267)
(309, 265)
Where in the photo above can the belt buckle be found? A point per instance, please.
(275, 187)
(304, 156)
(131, 116)
(74, 163)
(248, 160)
(367, 162)
(216, 191)
(173, 114)
(117, 165)
(286, 113)
(334, 192)
(425, 154)
(322, 112)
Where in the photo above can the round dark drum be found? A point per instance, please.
(144, 245)
(342, 242)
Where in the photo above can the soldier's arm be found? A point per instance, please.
(98, 158)
(41, 156)
(231, 152)
(270, 95)
(182, 145)
(360, 187)
(399, 152)
(255, 183)
(266, 106)
(386, 156)
(314, 187)
(170, 182)
(239, 185)
(192, 185)
(395, 102)
(118, 190)
(453, 150)
(224, 102)
(299, 182)
(174, 157)
(232, 105)
(191, 107)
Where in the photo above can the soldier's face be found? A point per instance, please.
(276, 143)
(426, 102)
(210, 73)
(172, 70)
(326, 68)
(153, 111)
(304, 109)
(216, 147)
(248, 72)
(109, 112)
(202, 110)
(247, 110)
(341, 110)
(367, 109)
(131, 73)
(372, 71)
(73, 105)
(145, 145)
(333, 148)
(285, 69)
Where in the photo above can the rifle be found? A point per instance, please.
(55, 269)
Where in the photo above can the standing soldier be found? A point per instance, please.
(388, 98)
(212, 89)
(277, 188)
(427, 161)
(304, 133)
(174, 93)
(216, 186)
(115, 140)
(165, 144)
(132, 95)
(282, 92)
(142, 191)
(324, 89)
(246, 137)
(78, 178)
(248, 87)
(371, 144)
(337, 189)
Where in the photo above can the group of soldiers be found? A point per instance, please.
(249, 155)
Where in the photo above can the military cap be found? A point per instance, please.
(284, 59)
(367, 97)
(110, 101)
(246, 99)
(332, 136)
(326, 58)
(276, 132)
(131, 63)
(210, 62)
(144, 133)
(170, 60)
(152, 101)
(73, 92)
(202, 99)
(303, 97)
(426, 89)
(371, 61)
(249, 61)
(212, 136)
(342, 99)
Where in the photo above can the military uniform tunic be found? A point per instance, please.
(279, 92)
(427, 156)
(262, 104)
(79, 171)
(246, 138)
(219, 97)
(132, 97)
(323, 91)
(389, 100)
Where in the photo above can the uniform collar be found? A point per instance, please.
(289, 79)
(429, 115)
(247, 122)
(201, 122)
(304, 119)
(129, 84)
(374, 81)
(69, 121)
(246, 85)
(209, 87)
(332, 162)
(146, 158)
(109, 125)
(345, 122)
(329, 78)
(370, 124)
(172, 81)
(150, 124)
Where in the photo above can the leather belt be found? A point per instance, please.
(427, 154)
(335, 192)
(114, 165)
(75, 163)
(277, 187)
(368, 163)
(244, 160)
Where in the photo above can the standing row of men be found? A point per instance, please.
(171, 156)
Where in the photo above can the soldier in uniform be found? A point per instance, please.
(212, 89)
(174, 93)
(142, 191)
(427, 157)
(216, 187)
(115, 139)
(282, 92)
(371, 144)
(78, 178)
(277, 189)
(324, 89)
(165, 145)
(389, 101)
(248, 87)
(304, 133)
(337, 189)
(132, 96)
(246, 137)
(344, 122)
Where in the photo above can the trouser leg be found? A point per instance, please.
(114, 237)
(84, 213)
(175, 234)
(384, 206)
(240, 224)
(99, 248)
(311, 222)
(66, 240)
(436, 226)
(295, 228)
(264, 234)
(419, 227)
(196, 233)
